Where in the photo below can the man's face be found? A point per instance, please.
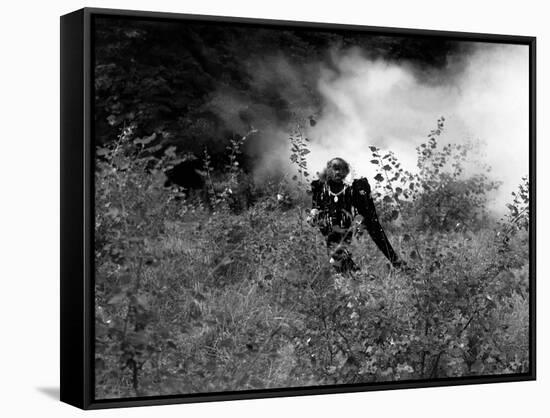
(337, 170)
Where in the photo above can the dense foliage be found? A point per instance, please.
(197, 292)
(192, 83)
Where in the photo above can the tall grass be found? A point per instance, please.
(193, 297)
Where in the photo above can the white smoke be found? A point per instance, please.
(375, 102)
(483, 95)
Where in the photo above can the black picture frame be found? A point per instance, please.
(77, 212)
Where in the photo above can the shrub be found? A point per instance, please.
(439, 195)
(195, 297)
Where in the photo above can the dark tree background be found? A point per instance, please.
(164, 75)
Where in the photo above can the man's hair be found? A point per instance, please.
(323, 175)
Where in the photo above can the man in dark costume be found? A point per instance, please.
(335, 204)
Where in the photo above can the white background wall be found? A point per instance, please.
(29, 229)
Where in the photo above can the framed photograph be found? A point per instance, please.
(259, 208)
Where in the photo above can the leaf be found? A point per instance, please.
(387, 167)
(413, 254)
(113, 212)
(477, 367)
(145, 140)
(395, 214)
(100, 330)
(374, 161)
(373, 148)
(116, 299)
(379, 177)
(112, 120)
(406, 238)
(138, 338)
(155, 148)
(142, 301)
(170, 151)
(125, 280)
(226, 261)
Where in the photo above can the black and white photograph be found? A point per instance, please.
(286, 206)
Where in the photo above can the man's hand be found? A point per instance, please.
(313, 217)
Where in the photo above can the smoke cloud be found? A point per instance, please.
(358, 102)
(384, 104)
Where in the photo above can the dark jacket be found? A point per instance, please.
(338, 212)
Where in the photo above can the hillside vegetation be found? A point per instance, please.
(228, 288)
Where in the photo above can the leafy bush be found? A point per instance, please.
(193, 295)
(439, 195)
(518, 210)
